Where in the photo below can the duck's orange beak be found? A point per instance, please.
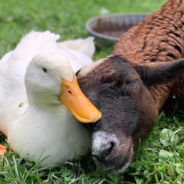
(77, 103)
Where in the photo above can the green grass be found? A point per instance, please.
(159, 159)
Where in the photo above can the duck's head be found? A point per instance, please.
(50, 80)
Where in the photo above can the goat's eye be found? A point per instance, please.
(128, 82)
(44, 70)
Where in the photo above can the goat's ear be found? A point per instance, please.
(160, 73)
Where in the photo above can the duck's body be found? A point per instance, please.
(53, 130)
(30, 120)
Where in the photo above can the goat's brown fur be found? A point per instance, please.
(140, 78)
(158, 38)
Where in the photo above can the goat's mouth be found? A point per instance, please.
(116, 165)
(116, 160)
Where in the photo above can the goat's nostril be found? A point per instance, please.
(102, 154)
(112, 145)
(108, 149)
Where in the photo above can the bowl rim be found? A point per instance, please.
(96, 34)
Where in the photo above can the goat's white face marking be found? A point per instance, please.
(88, 68)
(100, 139)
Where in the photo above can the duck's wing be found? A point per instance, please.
(79, 52)
(85, 46)
(77, 59)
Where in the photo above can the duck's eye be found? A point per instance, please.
(44, 70)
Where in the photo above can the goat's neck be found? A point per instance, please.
(161, 93)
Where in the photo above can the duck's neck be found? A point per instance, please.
(42, 100)
(48, 129)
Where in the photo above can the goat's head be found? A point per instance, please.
(129, 112)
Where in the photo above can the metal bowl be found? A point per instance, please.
(108, 29)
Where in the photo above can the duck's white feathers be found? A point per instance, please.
(56, 141)
(17, 122)
(83, 45)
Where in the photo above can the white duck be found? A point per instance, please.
(32, 114)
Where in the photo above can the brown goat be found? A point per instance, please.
(142, 76)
